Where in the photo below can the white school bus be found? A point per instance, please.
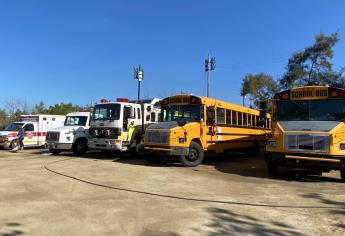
(308, 130)
(190, 126)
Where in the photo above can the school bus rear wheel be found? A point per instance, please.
(194, 157)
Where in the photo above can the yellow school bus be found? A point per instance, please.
(192, 125)
(308, 130)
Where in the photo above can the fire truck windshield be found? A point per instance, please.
(107, 112)
(13, 126)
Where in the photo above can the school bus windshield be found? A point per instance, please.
(313, 110)
(187, 113)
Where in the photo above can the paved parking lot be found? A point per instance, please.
(95, 195)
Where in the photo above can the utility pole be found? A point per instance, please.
(139, 75)
(209, 66)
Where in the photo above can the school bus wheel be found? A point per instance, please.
(272, 169)
(194, 157)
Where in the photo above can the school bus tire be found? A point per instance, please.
(272, 169)
(195, 157)
(342, 175)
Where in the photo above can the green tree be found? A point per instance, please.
(40, 108)
(62, 109)
(312, 66)
(258, 87)
(3, 119)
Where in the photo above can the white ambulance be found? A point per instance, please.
(35, 127)
(117, 126)
(73, 136)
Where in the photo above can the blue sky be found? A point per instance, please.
(78, 51)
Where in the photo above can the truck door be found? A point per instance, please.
(31, 137)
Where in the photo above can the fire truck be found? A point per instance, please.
(35, 127)
(118, 125)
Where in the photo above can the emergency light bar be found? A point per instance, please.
(122, 99)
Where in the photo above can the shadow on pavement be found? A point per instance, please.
(226, 222)
(11, 229)
(255, 166)
(340, 212)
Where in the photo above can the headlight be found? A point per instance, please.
(272, 143)
(342, 146)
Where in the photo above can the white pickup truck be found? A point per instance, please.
(73, 136)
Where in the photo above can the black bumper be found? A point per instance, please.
(326, 162)
(169, 151)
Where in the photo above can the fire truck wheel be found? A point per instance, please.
(342, 175)
(80, 147)
(55, 151)
(14, 144)
(195, 156)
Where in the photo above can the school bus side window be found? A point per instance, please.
(228, 117)
(245, 120)
(234, 118)
(220, 116)
(240, 114)
(211, 115)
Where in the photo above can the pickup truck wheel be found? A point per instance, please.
(80, 148)
(55, 151)
(342, 175)
(194, 157)
(14, 144)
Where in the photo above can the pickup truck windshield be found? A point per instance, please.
(75, 120)
(107, 112)
(13, 126)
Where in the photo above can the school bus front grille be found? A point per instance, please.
(157, 136)
(307, 142)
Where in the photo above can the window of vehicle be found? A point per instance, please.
(234, 118)
(138, 111)
(153, 116)
(220, 116)
(182, 113)
(228, 117)
(75, 121)
(107, 112)
(240, 116)
(245, 119)
(13, 126)
(29, 127)
(315, 110)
